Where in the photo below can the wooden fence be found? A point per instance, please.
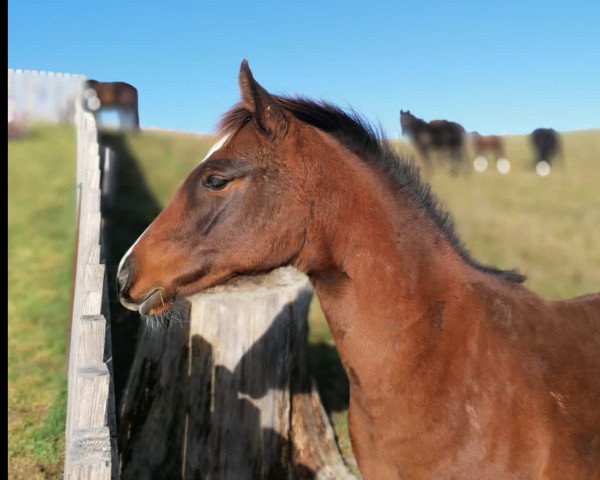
(91, 451)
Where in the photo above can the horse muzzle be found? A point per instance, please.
(152, 301)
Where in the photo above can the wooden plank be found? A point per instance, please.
(91, 302)
(92, 190)
(88, 472)
(93, 255)
(93, 279)
(82, 352)
(92, 332)
(94, 219)
(90, 446)
(91, 217)
(89, 286)
(91, 395)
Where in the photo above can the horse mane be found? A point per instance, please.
(355, 133)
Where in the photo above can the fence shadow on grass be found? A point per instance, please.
(132, 209)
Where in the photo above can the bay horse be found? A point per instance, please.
(456, 370)
(485, 145)
(117, 96)
(436, 135)
(488, 144)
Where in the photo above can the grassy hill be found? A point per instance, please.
(547, 227)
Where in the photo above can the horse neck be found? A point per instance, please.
(417, 125)
(381, 268)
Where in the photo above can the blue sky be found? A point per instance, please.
(495, 67)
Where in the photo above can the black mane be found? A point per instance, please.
(356, 134)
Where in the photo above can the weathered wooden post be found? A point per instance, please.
(222, 392)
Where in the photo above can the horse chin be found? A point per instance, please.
(158, 310)
(154, 304)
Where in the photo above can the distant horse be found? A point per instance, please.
(436, 135)
(117, 96)
(485, 145)
(456, 370)
(488, 144)
(546, 143)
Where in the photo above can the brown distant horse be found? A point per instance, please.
(485, 145)
(456, 370)
(488, 144)
(117, 96)
(436, 135)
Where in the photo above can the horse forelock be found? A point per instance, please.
(233, 119)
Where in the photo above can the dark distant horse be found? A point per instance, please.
(456, 370)
(546, 143)
(436, 135)
(117, 96)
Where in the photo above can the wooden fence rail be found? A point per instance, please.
(91, 423)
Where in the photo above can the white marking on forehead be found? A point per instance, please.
(216, 146)
(213, 149)
(128, 252)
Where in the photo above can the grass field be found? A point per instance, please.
(41, 203)
(546, 227)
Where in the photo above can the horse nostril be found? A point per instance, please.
(123, 277)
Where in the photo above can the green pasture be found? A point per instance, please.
(41, 213)
(548, 228)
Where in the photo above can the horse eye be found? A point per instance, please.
(215, 183)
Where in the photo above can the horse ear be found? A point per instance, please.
(269, 116)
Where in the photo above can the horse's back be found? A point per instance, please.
(582, 313)
(545, 140)
(446, 133)
(112, 93)
(488, 142)
(573, 335)
(446, 125)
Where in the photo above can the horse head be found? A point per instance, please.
(407, 121)
(239, 211)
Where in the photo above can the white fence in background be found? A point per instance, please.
(42, 96)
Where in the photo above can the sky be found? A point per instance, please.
(495, 67)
